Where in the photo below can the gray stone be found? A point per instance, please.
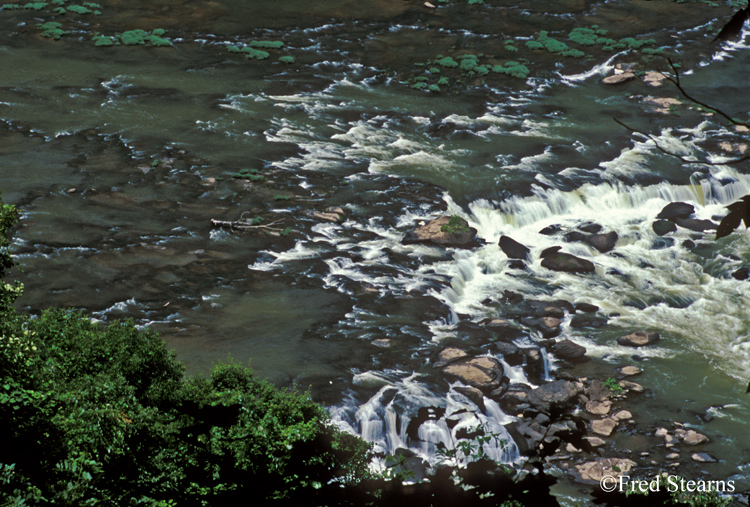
(560, 393)
(639, 339)
(702, 457)
(673, 456)
(661, 432)
(597, 391)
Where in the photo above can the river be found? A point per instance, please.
(120, 157)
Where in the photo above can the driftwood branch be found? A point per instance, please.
(675, 79)
(247, 225)
(675, 155)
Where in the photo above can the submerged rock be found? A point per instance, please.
(445, 231)
(560, 261)
(692, 437)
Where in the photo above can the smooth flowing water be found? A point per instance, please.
(120, 157)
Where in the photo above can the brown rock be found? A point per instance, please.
(449, 355)
(441, 231)
(618, 78)
(598, 407)
(481, 372)
(639, 339)
(631, 386)
(622, 415)
(596, 470)
(597, 391)
(595, 441)
(692, 437)
(629, 371)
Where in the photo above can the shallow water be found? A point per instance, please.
(120, 157)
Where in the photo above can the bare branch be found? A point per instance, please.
(675, 79)
(675, 155)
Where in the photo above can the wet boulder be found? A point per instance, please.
(510, 351)
(693, 224)
(603, 427)
(662, 227)
(570, 351)
(485, 373)
(555, 260)
(548, 326)
(559, 394)
(675, 210)
(639, 339)
(586, 308)
(741, 274)
(448, 356)
(513, 248)
(603, 242)
(446, 231)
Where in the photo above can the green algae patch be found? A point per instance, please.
(254, 54)
(52, 29)
(447, 62)
(433, 88)
(266, 44)
(35, 6)
(286, 59)
(136, 37)
(513, 69)
(10, 7)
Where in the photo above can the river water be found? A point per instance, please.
(119, 158)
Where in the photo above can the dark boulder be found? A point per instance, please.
(694, 224)
(579, 321)
(586, 308)
(741, 274)
(573, 236)
(603, 242)
(559, 261)
(558, 394)
(548, 326)
(513, 248)
(675, 210)
(590, 228)
(662, 227)
(570, 351)
(511, 353)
